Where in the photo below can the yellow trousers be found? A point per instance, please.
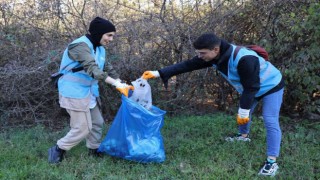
(83, 125)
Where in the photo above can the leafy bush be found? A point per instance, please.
(151, 35)
(298, 47)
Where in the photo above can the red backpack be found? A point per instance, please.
(258, 49)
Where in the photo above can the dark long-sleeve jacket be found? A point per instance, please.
(248, 70)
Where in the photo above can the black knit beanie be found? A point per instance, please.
(98, 27)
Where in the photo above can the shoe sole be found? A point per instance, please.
(50, 156)
(271, 175)
(236, 140)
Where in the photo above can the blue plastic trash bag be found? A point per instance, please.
(135, 133)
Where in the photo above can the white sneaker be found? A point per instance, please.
(269, 169)
(238, 137)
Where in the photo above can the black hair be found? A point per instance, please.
(207, 41)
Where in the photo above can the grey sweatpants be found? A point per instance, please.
(84, 125)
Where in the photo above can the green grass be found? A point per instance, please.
(195, 149)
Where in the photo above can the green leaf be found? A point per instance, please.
(293, 14)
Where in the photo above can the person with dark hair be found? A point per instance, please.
(251, 75)
(83, 65)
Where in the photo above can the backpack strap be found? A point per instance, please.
(235, 53)
(74, 69)
(77, 69)
(259, 50)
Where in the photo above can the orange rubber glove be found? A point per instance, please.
(150, 75)
(123, 88)
(243, 116)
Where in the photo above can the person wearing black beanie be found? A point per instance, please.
(98, 27)
(83, 65)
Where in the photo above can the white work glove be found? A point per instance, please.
(150, 74)
(123, 88)
(243, 116)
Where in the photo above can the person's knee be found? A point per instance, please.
(85, 132)
(99, 122)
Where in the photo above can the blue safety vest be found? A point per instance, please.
(270, 76)
(80, 84)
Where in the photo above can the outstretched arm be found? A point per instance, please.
(186, 66)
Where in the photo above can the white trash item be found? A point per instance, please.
(142, 93)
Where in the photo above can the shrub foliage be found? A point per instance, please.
(151, 35)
